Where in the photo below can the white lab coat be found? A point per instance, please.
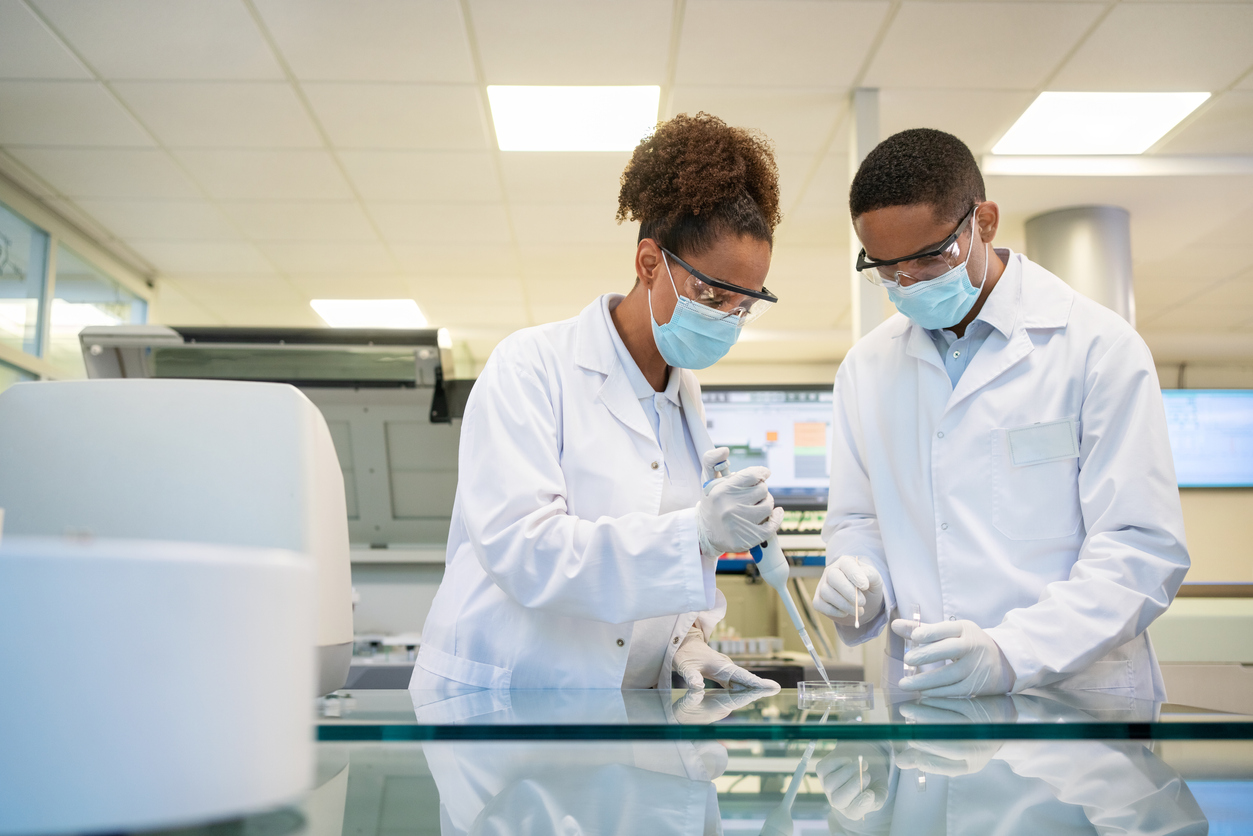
(1064, 562)
(556, 546)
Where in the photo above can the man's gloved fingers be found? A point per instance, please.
(712, 457)
(940, 651)
(828, 610)
(835, 580)
(854, 571)
(926, 633)
(903, 628)
(831, 602)
(692, 677)
(742, 678)
(832, 762)
(747, 478)
(749, 493)
(932, 763)
(948, 675)
(775, 520)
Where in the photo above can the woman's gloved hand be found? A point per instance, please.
(977, 665)
(696, 661)
(848, 584)
(699, 708)
(737, 513)
(855, 787)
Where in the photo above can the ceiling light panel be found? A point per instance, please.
(572, 118)
(370, 313)
(1096, 123)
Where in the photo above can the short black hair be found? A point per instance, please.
(921, 165)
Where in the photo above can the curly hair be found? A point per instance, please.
(921, 165)
(695, 178)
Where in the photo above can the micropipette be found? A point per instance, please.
(773, 568)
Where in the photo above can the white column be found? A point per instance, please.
(1089, 248)
(868, 301)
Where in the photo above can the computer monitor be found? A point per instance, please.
(1211, 436)
(785, 428)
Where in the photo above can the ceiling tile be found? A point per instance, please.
(302, 221)
(261, 289)
(266, 175)
(187, 258)
(915, 55)
(352, 287)
(453, 223)
(347, 258)
(800, 43)
(243, 313)
(567, 41)
(828, 185)
(28, 50)
(384, 40)
(164, 39)
(422, 176)
(499, 290)
(614, 263)
(796, 121)
(978, 118)
(540, 177)
(556, 310)
(412, 116)
(508, 317)
(64, 113)
(109, 172)
(165, 220)
(1225, 127)
(174, 307)
(1166, 46)
(560, 223)
(221, 114)
(815, 225)
(794, 173)
(576, 290)
(1202, 316)
(448, 261)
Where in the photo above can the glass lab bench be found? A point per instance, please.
(654, 762)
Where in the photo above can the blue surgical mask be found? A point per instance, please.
(696, 336)
(941, 302)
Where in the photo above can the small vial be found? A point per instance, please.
(915, 616)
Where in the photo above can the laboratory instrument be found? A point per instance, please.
(198, 461)
(773, 568)
(779, 821)
(842, 696)
(188, 697)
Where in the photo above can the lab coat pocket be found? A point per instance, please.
(1035, 480)
(464, 671)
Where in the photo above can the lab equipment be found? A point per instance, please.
(1211, 436)
(915, 617)
(205, 461)
(842, 696)
(189, 702)
(773, 567)
(785, 428)
(779, 820)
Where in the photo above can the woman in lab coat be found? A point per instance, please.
(582, 547)
(999, 454)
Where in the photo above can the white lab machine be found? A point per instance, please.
(202, 461)
(151, 684)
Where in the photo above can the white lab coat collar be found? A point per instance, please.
(595, 352)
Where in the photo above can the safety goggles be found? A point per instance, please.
(919, 267)
(730, 300)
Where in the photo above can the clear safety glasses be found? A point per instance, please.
(920, 267)
(732, 301)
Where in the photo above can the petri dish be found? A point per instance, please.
(841, 696)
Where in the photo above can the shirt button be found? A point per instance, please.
(957, 354)
(944, 526)
(676, 639)
(654, 465)
(939, 435)
(952, 618)
(621, 642)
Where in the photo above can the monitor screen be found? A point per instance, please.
(1211, 436)
(785, 428)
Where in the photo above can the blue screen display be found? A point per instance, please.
(1211, 436)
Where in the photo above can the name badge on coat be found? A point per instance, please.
(1047, 442)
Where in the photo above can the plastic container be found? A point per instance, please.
(841, 696)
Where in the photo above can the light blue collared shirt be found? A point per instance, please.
(957, 352)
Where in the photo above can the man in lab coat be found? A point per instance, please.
(999, 454)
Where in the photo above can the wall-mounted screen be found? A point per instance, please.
(785, 428)
(1211, 436)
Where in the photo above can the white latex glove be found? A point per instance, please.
(849, 586)
(855, 789)
(698, 708)
(696, 661)
(738, 513)
(711, 458)
(978, 667)
(953, 757)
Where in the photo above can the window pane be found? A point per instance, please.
(23, 260)
(10, 375)
(85, 296)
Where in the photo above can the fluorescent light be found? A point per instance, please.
(370, 313)
(1096, 123)
(572, 118)
(1112, 165)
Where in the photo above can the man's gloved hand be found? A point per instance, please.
(738, 513)
(696, 661)
(855, 788)
(711, 458)
(978, 667)
(848, 583)
(953, 757)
